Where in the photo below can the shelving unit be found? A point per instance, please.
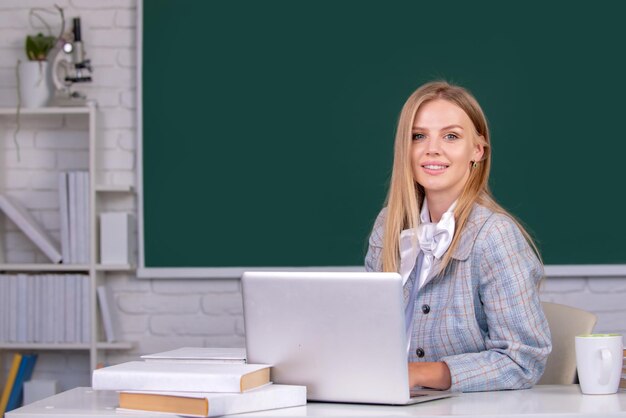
(95, 271)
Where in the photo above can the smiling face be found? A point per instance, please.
(444, 144)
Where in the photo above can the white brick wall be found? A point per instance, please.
(154, 314)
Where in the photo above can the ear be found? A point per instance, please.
(479, 149)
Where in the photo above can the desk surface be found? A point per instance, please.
(541, 401)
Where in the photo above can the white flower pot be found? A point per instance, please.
(34, 85)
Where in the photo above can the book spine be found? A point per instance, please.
(59, 308)
(103, 379)
(13, 308)
(8, 387)
(70, 308)
(105, 311)
(22, 311)
(23, 374)
(72, 210)
(86, 310)
(4, 308)
(64, 214)
(30, 308)
(87, 222)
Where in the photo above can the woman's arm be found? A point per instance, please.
(517, 340)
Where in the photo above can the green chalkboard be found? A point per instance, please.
(268, 125)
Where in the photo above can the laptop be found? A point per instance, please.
(341, 334)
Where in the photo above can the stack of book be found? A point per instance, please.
(45, 308)
(21, 370)
(74, 211)
(183, 383)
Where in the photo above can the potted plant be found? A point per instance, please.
(38, 47)
(34, 87)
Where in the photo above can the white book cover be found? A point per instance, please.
(30, 227)
(48, 325)
(72, 208)
(39, 318)
(80, 221)
(86, 310)
(13, 309)
(31, 319)
(200, 355)
(4, 308)
(183, 377)
(59, 308)
(86, 217)
(41, 329)
(22, 311)
(218, 404)
(107, 305)
(7, 315)
(65, 217)
(81, 181)
(52, 323)
(70, 308)
(78, 308)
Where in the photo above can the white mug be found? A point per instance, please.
(599, 360)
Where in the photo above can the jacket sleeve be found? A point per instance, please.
(518, 338)
(373, 261)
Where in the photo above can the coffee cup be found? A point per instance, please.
(599, 360)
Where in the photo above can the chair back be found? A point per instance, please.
(565, 323)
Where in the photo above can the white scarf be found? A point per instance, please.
(432, 239)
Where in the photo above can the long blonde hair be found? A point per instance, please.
(405, 196)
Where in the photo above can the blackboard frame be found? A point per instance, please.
(145, 271)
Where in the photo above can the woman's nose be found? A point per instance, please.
(433, 146)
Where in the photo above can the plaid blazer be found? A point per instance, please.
(482, 316)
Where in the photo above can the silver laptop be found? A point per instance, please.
(339, 334)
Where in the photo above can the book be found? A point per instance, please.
(105, 301)
(85, 307)
(73, 216)
(8, 386)
(23, 374)
(29, 226)
(65, 217)
(200, 355)
(181, 377)
(214, 404)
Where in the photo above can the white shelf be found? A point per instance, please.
(64, 267)
(65, 346)
(12, 111)
(96, 272)
(44, 267)
(113, 188)
(114, 267)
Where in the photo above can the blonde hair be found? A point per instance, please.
(405, 196)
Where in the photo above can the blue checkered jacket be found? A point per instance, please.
(482, 316)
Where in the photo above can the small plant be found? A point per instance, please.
(38, 47)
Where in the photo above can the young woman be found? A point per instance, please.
(471, 272)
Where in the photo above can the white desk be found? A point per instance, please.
(541, 401)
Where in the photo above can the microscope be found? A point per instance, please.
(70, 66)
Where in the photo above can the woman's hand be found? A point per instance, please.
(435, 375)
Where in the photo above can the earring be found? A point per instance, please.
(474, 164)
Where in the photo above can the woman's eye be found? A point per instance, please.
(417, 137)
(451, 136)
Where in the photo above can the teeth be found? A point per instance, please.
(435, 167)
